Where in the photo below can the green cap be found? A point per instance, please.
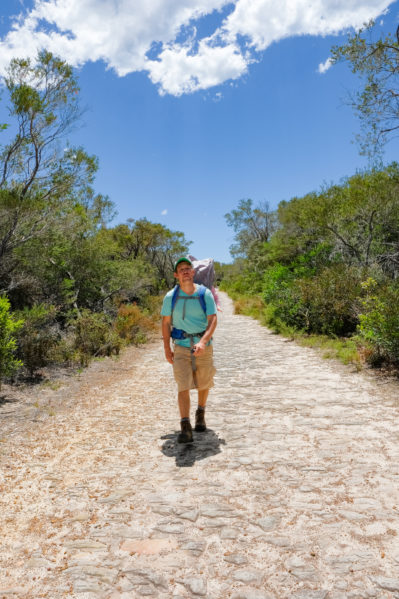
(183, 259)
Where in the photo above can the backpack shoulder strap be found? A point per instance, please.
(175, 296)
(201, 297)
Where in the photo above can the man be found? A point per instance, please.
(191, 322)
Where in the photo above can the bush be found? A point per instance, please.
(247, 283)
(132, 323)
(38, 336)
(283, 297)
(379, 322)
(325, 303)
(94, 336)
(9, 326)
(331, 300)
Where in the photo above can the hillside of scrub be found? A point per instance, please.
(324, 264)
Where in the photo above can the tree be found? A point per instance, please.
(357, 222)
(377, 104)
(41, 177)
(252, 226)
(8, 326)
(152, 242)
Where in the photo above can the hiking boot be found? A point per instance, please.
(200, 425)
(186, 434)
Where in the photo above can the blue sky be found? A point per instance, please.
(200, 111)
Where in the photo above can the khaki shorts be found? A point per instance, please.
(183, 372)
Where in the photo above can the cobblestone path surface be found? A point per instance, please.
(291, 493)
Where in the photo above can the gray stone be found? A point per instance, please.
(38, 562)
(308, 594)
(197, 586)
(163, 510)
(245, 461)
(146, 591)
(278, 541)
(341, 565)
(86, 586)
(247, 576)
(191, 515)
(174, 528)
(194, 547)
(236, 558)
(388, 584)
(116, 496)
(214, 510)
(229, 533)
(305, 573)
(86, 544)
(157, 580)
(144, 575)
(353, 516)
(301, 569)
(251, 594)
(215, 523)
(268, 523)
(107, 575)
(367, 503)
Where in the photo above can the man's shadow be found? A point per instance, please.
(204, 445)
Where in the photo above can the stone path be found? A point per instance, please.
(293, 492)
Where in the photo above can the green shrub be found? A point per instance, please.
(281, 293)
(331, 300)
(379, 321)
(9, 326)
(65, 351)
(247, 283)
(38, 336)
(325, 303)
(94, 336)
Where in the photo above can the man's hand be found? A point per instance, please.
(169, 355)
(199, 348)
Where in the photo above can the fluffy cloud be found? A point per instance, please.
(160, 36)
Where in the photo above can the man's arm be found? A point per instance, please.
(166, 330)
(207, 336)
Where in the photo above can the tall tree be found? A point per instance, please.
(41, 177)
(153, 242)
(253, 225)
(376, 62)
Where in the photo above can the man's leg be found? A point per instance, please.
(202, 397)
(200, 425)
(186, 434)
(183, 398)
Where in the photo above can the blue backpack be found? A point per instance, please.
(180, 333)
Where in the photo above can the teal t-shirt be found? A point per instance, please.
(188, 314)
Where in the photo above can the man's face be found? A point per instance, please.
(184, 273)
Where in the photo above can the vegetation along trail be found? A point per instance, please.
(292, 491)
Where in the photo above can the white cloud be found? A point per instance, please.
(160, 37)
(324, 66)
(164, 212)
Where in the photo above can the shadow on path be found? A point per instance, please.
(4, 400)
(204, 445)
